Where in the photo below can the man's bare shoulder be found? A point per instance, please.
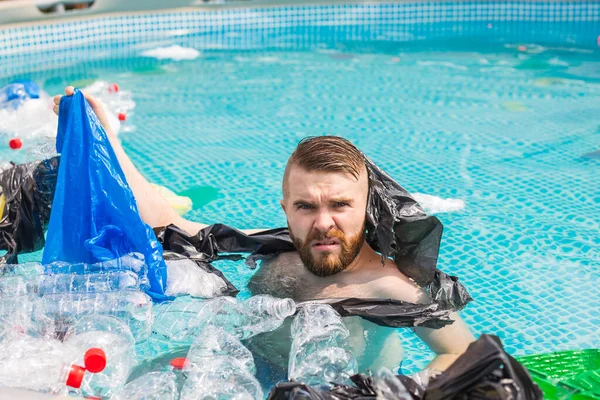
(279, 276)
(386, 281)
(286, 276)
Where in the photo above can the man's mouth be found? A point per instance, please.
(325, 244)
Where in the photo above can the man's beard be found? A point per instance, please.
(328, 263)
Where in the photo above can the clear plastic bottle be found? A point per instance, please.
(114, 338)
(114, 100)
(87, 283)
(177, 365)
(151, 386)
(37, 363)
(11, 286)
(319, 354)
(129, 262)
(16, 316)
(388, 386)
(130, 306)
(27, 270)
(182, 319)
(219, 367)
(42, 284)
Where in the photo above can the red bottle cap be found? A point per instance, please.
(113, 88)
(94, 360)
(121, 116)
(179, 363)
(75, 376)
(15, 143)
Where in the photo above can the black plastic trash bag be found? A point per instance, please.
(26, 191)
(398, 227)
(218, 240)
(388, 312)
(298, 391)
(366, 388)
(484, 372)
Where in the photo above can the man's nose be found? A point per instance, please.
(324, 222)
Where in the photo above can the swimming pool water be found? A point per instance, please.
(509, 130)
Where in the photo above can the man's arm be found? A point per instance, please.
(154, 209)
(448, 342)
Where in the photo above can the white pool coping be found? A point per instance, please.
(16, 12)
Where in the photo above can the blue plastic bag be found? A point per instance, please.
(94, 214)
(13, 95)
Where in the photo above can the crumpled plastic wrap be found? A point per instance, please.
(196, 278)
(484, 372)
(26, 193)
(94, 214)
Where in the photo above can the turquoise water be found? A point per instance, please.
(510, 131)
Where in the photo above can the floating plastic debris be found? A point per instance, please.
(27, 118)
(117, 102)
(435, 205)
(174, 52)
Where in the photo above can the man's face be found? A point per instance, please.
(326, 217)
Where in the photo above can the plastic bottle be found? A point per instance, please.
(114, 338)
(27, 270)
(151, 386)
(11, 286)
(182, 320)
(219, 367)
(177, 366)
(114, 100)
(41, 364)
(87, 283)
(64, 283)
(318, 356)
(424, 376)
(130, 306)
(129, 262)
(16, 316)
(388, 386)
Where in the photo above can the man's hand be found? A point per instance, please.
(94, 103)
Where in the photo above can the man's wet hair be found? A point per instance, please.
(325, 154)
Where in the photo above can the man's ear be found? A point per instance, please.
(282, 202)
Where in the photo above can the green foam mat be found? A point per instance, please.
(566, 374)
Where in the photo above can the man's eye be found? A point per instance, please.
(340, 204)
(305, 207)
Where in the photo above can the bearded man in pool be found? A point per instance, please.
(325, 193)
